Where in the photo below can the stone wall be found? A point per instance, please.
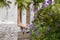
(8, 32)
(8, 22)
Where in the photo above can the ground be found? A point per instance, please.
(24, 36)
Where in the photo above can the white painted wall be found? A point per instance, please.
(8, 15)
(8, 22)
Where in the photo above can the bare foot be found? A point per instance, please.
(22, 25)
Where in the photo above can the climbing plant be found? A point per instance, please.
(23, 3)
(4, 3)
(46, 24)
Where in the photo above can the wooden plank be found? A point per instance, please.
(26, 36)
(28, 16)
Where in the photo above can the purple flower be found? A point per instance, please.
(35, 10)
(38, 33)
(34, 17)
(48, 1)
(32, 26)
(45, 5)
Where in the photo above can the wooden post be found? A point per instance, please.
(28, 16)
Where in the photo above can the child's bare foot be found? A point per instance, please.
(22, 25)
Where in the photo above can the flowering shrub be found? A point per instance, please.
(46, 24)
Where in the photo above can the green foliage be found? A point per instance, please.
(57, 1)
(36, 2)
(4, 3)
(47, 23)
(23, 3)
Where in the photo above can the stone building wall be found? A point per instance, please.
(8, 22)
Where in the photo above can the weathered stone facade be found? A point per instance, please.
(8, 22)
(8, 32)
